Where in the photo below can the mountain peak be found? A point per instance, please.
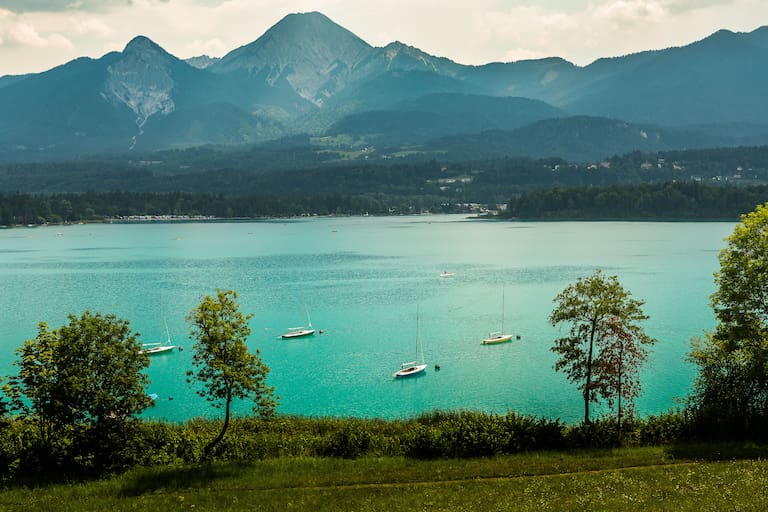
(142, 44)
(312, 17)
(300, 29)
(308, 50)
(142, 80)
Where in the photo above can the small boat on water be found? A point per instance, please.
(155, 348)
(159, 347)
(413, 367)
(495, 338)
(445, 273)
(298, 332)
(408, 369)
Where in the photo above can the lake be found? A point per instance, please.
(361, 281)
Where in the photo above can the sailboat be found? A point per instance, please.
(298, 332)
(158, 347)
(499, 336)
(413, 367)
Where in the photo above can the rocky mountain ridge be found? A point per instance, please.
(307, 74)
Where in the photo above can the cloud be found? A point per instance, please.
(683, 6)
(89, 27)
(526, 33)
(210, 47)
(622, 14)
(23, 6)
(34, 34)
(631, 13)
(24, 34)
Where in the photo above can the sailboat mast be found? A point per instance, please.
(502, 311)
(304, 309)
(418, 345)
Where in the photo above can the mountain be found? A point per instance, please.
(11, 79)
(715, 80)
(309, 51)
(441, 114)
(109, 105)
(307, 74)
(202, 61)
(547, 80)
(577, 139)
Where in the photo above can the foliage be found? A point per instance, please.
(741, 299)
(730, 392)
(623, 353)
(4, 405)
(669, 200)
(693, 184)
(435, 435)
(224, 364)
(88, 371)
(475, 434)
(603, 324)
(34, 390)
(79, 385)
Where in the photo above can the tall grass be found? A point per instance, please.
(454, 434)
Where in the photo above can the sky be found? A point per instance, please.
(36, 35)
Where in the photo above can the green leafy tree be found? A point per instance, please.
(732, 384)
(37, 381)
(89, 371)
(595, 307)
(224, 364)
(4, 405)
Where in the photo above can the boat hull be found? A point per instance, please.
(298, 333)
(495, 340)
(157, 350)
(409, 371)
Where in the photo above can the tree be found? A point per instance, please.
(89, 371)
(597, 308)
(224, 365)
(732, 383)
(4, 406)
(618, 367)
(37, 382)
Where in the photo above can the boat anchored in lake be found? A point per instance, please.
(298, 332)
(159, 347)
(497, 337)
(413, 367)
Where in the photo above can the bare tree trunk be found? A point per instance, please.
(621, 374)
(209, 448)
(588, 384)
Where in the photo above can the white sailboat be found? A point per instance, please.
(298, 332)
(413, 367)
(158, 347)
(498, 336)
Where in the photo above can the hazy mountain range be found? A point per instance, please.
(307, 74)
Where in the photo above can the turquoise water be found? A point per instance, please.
(361, 280)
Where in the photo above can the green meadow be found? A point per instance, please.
(701, 477)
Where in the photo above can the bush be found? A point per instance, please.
(80, 451)
(665, 428)
(347, 443)
(475, 434)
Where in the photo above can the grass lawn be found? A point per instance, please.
(657, 478)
